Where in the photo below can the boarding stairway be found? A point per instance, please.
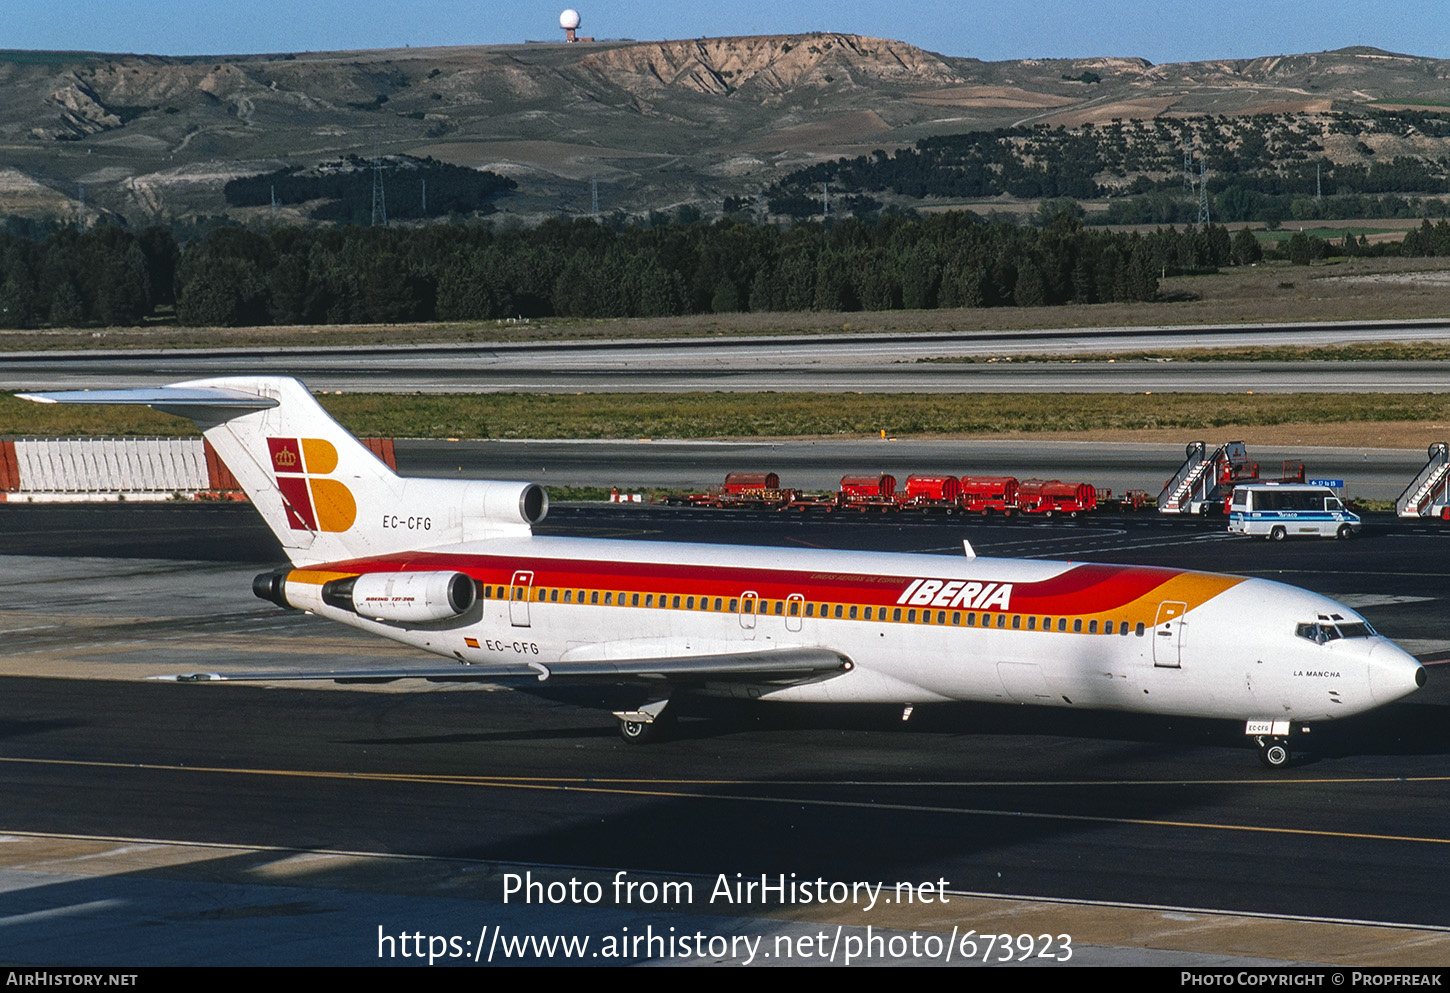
(1202, 478)
(1427, 493)
(1180, 487)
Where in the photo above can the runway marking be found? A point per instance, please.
(604, 787)
(802, 541)
(73, 910)
(1361, 600)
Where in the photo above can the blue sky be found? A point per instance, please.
(1158, 30)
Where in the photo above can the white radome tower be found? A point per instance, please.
(569, 21)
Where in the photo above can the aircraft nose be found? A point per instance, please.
(1393, 673)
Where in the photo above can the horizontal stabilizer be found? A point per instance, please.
(173, 399)
(789, 663)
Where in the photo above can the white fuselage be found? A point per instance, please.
(1196, 644)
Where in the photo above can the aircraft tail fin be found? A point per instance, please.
(322, 493)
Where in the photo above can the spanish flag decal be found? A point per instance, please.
(312, 500)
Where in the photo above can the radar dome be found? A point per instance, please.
(569, 20)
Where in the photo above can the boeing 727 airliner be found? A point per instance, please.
(452, 567)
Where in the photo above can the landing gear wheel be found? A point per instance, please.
(1278, 534)
(638, 732)
(1274, 752)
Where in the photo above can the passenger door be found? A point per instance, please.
(521, 588)
(1168, 634)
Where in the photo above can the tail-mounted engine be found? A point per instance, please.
(403, 597)
(397, 597)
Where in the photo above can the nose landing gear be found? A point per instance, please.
(1274, 752)
(1274, 739)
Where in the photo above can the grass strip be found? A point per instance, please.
(763, 415)
(1413, 351)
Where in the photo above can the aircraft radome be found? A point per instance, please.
(452, 567)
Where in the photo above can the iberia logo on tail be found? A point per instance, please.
(313, 502)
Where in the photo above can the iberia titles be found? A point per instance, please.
(957, 593)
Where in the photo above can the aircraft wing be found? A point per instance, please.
(784, 664)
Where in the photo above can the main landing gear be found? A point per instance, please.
(651, 722)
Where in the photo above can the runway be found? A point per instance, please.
(935, 362)
(282, 825)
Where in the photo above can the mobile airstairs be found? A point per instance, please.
(1426, 496)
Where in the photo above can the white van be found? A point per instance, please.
(1278, 510)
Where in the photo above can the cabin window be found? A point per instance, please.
(941, 616)
(926, 617)
(957, 618)
(1016, 622)
(1062, 624)
(1092, 627)
(554, 596)
(593, 596)
(1077, 625)
(1108, 627)
(1123, 628)
(853, 612)
(795, 609)
(911, 617)
(896, 614)
(971, 620)
(718, 601)
(634, 600)
(868, 613)
(675, 603)
(1032, 624)
(839, 610)
(810, 610)
(649, 599)
(609, 599)
(689, 603)
(1001, 620)
(779, 607)
(734, 604)
(1139, 629)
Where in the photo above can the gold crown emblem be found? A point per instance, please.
(286, 458)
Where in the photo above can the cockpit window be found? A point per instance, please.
(1321, 632)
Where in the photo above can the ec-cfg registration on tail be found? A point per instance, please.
(452, 567)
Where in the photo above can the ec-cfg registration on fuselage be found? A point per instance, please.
(452, 567)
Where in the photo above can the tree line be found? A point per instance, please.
(232, 276)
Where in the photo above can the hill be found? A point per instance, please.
(652, 124)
